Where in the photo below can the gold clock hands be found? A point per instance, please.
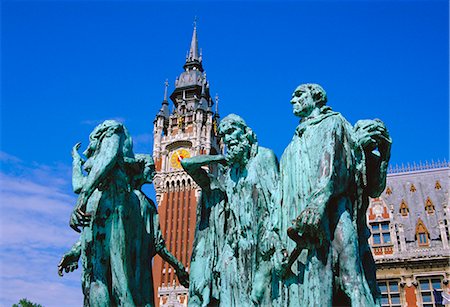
(179, 157)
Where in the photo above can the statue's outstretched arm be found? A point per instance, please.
(69, 261)
(180, 270)
(167, 256)
(151, 212)
(77, 169)
(193, 166)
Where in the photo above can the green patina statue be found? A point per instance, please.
(121, 231)
(327, 173)
(266, 235)
(236, 236)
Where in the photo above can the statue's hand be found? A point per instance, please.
(372, 134)
(183, 277)
(68, 263)
(79, 218)
(309, 225)
(282, 267)
(75, 155)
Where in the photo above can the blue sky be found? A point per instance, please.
(68, 65)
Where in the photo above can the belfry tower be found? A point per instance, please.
(186, 129)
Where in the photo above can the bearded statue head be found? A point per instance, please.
(240, 140)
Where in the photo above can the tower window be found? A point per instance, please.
(380, 233)
(429, 207)
(390, 293)
(427, 286)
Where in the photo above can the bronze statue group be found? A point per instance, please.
(292, 233)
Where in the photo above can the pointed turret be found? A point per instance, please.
(164, 111)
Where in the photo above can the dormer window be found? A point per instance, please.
(422, 234)
(388, 191)
(404, 209)
(437, 186)
(412, 188)
(429, 206)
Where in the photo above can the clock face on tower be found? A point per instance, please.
(177, 156)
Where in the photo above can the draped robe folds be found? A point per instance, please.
(234, 236)
(108, 246)
(244, 264)
(318, 168)
(111, 244)
(139, 250)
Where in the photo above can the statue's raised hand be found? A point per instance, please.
(75, 155)
(68, 263)
(183, 277)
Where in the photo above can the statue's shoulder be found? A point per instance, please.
(266, 159)
(144, 200)
(338, 120)
(265, 153)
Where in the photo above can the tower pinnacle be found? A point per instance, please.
(164, 111)
(193, 51)
(194, 57)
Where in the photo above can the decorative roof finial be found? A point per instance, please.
(217, 103)
(166, 85)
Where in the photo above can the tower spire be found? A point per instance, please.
(193, 51)
(194, 57)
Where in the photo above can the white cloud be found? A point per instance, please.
(36, 203)
(95, 122)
